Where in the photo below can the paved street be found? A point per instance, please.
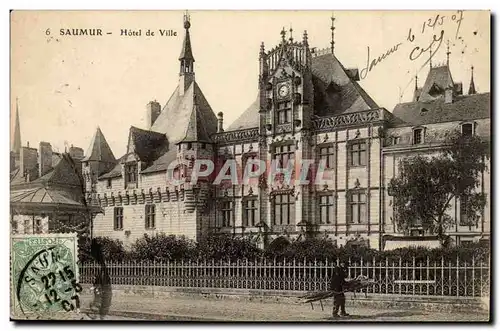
(188, 309)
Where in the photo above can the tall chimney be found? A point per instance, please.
(448, 95)
(28, 162)
(153, 110)
(220, 121)
(44, 158)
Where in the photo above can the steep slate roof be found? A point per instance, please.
(116, 171)
(196, 130)
(249, 118)
(99, 149)
(162, 163)
(147, 145)
(64, 173)
(186, 51)
(345, 95)
(463, 108)
(438, 79)
(176, 115)
(335, 91)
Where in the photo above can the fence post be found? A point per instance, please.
(481, 278)
(473, 277)
(449, 278)
(442, 275)
(400, 265)
(413, 274)
(374, 267)
(458, 277)
(386, 276)
(427, 274)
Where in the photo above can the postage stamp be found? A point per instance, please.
(44, 276)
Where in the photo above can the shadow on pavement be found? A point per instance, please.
(376, 316)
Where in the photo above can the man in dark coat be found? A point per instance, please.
(337, 285)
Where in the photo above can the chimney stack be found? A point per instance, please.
(44, 158)
(153, 110)
(28, 162)
(76, 152)
(220, 121)
(448, 95)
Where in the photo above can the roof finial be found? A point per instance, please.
(333, 33)
(291, 33)
(448, 53)
(416, 81)
(262, 49)
(430, 56)
(472, 86)
(283, 34)
(187, 23)
(304, 39)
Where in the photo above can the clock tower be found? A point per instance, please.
(286, 101)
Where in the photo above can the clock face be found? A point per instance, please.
(283, 90)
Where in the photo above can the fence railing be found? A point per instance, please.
(438, 278)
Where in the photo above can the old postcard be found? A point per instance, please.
(320, 166)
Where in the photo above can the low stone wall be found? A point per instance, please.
(427, 303)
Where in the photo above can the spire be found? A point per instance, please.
(472, 86)
(283, 35)
(186, 58)
(448, 53)
(99, 149)
(333, 33)
(16, 143)
(416, 82)
(304, 39)
(291, 34)
(186, 74)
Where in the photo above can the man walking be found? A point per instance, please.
(337, 285)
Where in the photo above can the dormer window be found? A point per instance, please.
(131, 172)
(418, 136)
(467, 129)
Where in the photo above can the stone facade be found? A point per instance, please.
(309, 107)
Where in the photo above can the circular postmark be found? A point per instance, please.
(47, 284)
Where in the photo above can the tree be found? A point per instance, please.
(426, 186)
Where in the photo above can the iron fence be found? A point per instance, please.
(438, 278)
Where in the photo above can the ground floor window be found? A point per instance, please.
(326, 211)
(283, 209)
(249, 212)
(118, 218)
(357, 205)
(227, 213)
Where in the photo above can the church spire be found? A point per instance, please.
(16, 143)
(186, 59)
(472, 86)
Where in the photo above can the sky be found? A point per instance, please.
(66, 86)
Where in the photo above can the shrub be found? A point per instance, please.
(112, 249)
(162, 247)
(227, 247)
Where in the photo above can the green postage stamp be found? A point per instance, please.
(44, 276)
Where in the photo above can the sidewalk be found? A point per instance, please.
(191, 309)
